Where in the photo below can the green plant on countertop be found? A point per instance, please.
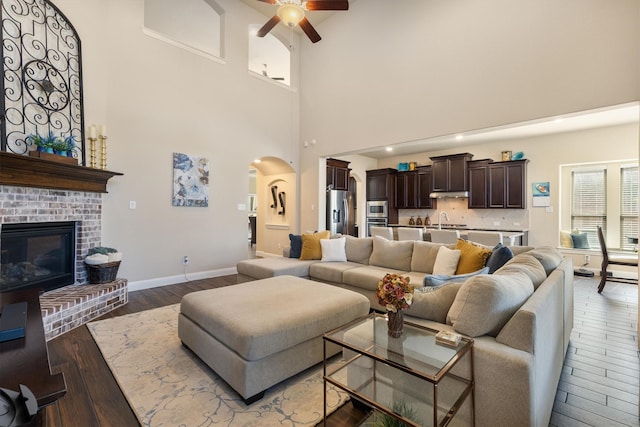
(404, 410)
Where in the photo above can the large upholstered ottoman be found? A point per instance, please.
(257, 334)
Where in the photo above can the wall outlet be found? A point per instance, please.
(496, 222)
(587, 258)
(185, 260)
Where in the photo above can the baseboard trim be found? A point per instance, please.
(181, 278)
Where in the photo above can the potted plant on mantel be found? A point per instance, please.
(54, 148)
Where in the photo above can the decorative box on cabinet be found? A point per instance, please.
(450, 172)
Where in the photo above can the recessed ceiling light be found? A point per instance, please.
(257, 161)
(389, 148)
(559, 120)
(459, 137)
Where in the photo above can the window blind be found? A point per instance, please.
(628, 206)
(589, 203)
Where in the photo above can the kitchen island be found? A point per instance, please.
(511, 237)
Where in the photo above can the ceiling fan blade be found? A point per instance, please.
(327, 5)
(309, 30)
(268, 26)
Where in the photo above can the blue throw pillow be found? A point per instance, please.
(296, 245)
(499, 257)
(580, 241)
(432, 281)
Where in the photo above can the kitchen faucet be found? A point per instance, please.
(446, 217)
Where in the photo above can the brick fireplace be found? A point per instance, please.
(34, 190)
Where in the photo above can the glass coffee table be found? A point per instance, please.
(411, 379)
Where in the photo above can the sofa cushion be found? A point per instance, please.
(311, 248)
(549, 257)
(367, 277)
(446, 261)
(262, 268)
(424, 256)
(435, 280)
(485, 303)
(435, 304)
(473, 257)
(330, 272)
(333, 250)
(295, 246)
(499, 257)
(359, 250)
(391, 253)
(527, 264)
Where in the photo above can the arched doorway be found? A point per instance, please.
(275, 198)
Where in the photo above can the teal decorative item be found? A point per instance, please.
(518, 156)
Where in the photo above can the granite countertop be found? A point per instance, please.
(461, 228)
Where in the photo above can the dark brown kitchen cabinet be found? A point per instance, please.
(338, 174)
(497, 185)
(405, 190)
(413, 189)
(381, 184)
(478, 183)
(450, 172)
(424, 188)
(507, 184)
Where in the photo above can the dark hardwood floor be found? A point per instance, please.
(93, 397)
(599, 384)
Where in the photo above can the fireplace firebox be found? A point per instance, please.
(37, 255)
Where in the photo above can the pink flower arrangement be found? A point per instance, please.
(395, 292)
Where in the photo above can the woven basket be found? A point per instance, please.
(102, 273)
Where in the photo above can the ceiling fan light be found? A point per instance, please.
(290, 14)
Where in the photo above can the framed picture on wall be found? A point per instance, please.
(541, 194)
(190, 181)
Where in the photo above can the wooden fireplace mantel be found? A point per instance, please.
(25, 171)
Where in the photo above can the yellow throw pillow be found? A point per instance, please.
(311, 248)
(472, 257)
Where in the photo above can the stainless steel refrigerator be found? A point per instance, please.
(341, 212)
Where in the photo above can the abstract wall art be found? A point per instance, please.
(190, 181)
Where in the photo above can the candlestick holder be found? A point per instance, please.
(92, 152)
(103, 152)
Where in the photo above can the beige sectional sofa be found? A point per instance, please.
(520, 317)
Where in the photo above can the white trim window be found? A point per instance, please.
(605, 195)
(628, 206)
(589, 202)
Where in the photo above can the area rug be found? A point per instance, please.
(167, 385)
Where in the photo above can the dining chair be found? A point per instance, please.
(489, 238)
(386, 232)
(445, 236)
(628, 260)
(409, 233)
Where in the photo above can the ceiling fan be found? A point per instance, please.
(291, 12)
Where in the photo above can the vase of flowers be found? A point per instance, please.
(395, 294)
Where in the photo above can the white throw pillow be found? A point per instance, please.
(446, 261)
(333, 250)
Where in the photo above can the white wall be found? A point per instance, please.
(157, 99)
(432, 68)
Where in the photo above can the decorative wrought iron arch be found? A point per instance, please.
(41, 81)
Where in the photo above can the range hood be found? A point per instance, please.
(450, 195)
